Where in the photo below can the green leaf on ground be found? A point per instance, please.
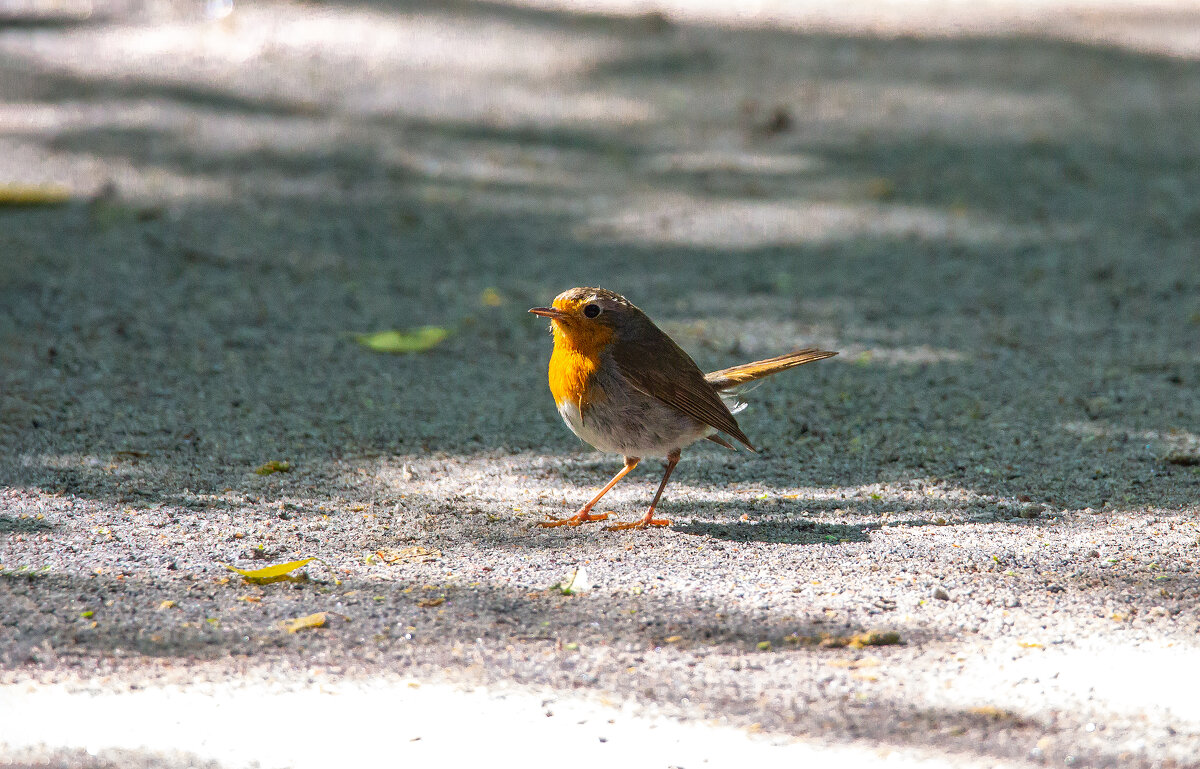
(404, 342)
(274, 466)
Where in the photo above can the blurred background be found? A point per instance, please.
(991, 209)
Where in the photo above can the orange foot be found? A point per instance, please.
(574, 520)
(639, 524)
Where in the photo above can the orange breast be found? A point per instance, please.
(573, 363)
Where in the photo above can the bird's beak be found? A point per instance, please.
(548, 312)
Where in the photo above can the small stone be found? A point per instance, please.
(941, 594)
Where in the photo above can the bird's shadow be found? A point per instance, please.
(790, 532)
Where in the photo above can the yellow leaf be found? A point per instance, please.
(429, 603)
(403, 342)
(167, 605)
(274, 466)
(33, 195)
(873, 638)
(270, 573)
(302, 623)
(866, 662)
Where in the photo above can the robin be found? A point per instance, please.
(625, 387)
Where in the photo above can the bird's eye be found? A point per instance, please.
(591, 310)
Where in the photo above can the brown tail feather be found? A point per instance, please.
(748, 372)
(721, 441)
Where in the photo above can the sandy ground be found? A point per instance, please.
(992, 211)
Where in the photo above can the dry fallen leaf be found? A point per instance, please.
(881, 189)
(33, 195)
(429, 603)
(873, 638)
(415, 554)
(302, 623)
(866, 662)
(855, 641)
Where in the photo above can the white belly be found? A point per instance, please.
(641, 427)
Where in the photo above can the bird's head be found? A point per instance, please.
(589, 318)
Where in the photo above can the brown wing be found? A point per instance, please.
(660, 368)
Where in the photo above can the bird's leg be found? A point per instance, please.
(584, 515)
(648, 519)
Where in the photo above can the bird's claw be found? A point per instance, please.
(574, 520)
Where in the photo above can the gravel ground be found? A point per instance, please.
(992, 212)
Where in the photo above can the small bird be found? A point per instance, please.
(625, 387)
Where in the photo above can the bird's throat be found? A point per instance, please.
(575, 359)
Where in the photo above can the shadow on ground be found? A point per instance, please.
(606, 641)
